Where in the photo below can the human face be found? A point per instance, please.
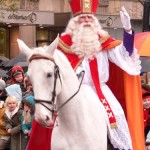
(26, 108)
(19, 78)
(12, 105)
(85, 19)
(146, 103)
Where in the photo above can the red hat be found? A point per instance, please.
(83, 6)
(145, 94)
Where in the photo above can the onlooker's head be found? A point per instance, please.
(146, 99)
(17, 74)
(28, 103)
(12, 103)
(2, 85)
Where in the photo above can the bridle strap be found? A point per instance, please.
(56, 75)
(60, 107)
(40, 56)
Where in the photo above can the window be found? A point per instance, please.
(45, 36)
(3, 41)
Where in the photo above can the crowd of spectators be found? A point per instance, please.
(16, 110)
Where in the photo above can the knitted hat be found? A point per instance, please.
(145, 94)
(29, 101)
(83, 6)
(2, 84)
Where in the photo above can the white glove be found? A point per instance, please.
(125, 19)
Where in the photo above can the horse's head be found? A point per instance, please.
(45, 78)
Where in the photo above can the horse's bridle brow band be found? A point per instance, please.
(39, 56)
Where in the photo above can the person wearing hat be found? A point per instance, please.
(146, 111)
(27, 118)
(17, 77)
(111, 66)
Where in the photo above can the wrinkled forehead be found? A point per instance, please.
(83, 15)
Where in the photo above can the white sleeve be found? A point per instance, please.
(130, 64)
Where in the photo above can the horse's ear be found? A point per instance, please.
(53, 45)
(24, 49)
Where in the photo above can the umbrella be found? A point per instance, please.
(14, 61)
(3, 73)
(2, 58)
(142, 43)
(22, 64)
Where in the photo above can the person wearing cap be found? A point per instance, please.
(106, 60)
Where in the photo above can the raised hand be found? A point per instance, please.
(125, 19)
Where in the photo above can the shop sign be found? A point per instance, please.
(28, 17)
(32, 17)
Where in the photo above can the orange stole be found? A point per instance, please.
(127, 90)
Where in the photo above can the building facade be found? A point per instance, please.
(37, 22)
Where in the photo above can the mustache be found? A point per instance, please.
(87, 24)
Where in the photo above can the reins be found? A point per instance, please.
(60, 107)
(54, 110)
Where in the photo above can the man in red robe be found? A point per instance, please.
(88, 47)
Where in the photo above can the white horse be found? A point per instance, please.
(81, 121)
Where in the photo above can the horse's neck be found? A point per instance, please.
(72, 110)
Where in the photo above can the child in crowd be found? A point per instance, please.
(146, 110)
(4, 136)
(13, 122)
(27, 117)
(17, 75)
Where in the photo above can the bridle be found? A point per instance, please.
(53, 109)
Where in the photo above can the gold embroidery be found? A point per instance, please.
(86, 6)
(64, 46)
(104, 39)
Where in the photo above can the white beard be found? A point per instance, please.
(85, 42)
(85, 39)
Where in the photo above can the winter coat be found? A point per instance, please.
(14, 123)
(3, 131)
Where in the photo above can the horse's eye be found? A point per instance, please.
(49, 75)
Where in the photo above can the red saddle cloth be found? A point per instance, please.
(40, 137)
